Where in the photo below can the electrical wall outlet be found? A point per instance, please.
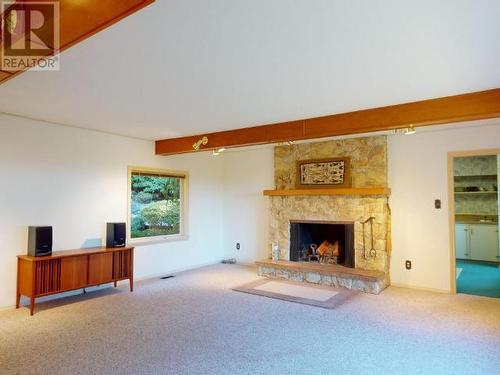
(437, 204)
(238, 246)
(408, 264)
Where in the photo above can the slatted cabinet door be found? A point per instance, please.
(122, 265)
(48, 277)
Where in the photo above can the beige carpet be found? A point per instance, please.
(307, 294)
(195, 324)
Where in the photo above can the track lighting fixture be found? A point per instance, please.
(218, 151)
(198, 144)
(406, 131)
(409, 130)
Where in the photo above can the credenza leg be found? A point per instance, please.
(131, 284)
(18, 294)
(32, 305)
(116, 283)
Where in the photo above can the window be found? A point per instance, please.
(156, 204)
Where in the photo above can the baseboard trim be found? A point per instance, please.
(176, 270)
(409, 286)
(247, 264)
(4, 308)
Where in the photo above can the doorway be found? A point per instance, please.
(474, 219)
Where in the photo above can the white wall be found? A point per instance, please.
(418, 176)
(246, 174)
(76, 181)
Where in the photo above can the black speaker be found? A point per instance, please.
(115, 235)
(39, 241)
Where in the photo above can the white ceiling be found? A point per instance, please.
(181, 67)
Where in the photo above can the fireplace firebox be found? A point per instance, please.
(322, 242)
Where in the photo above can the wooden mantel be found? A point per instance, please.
(347, 191)
(445, 110)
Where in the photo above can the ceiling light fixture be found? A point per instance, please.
(409, 130)
(10, 21)
(285, 143)
(218, 151)
(405, 131)
(197, 145)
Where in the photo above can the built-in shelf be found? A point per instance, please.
(476, 219)
(478, 176)
(341, 191)
(476, 192)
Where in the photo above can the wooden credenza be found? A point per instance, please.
(72, 269)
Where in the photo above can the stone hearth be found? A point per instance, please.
(324, 274)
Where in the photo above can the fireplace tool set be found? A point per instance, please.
(372, 253)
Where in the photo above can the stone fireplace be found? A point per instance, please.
(297, 221)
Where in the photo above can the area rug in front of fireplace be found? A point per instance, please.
(307, 294)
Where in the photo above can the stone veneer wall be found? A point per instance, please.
(368, 169)
(368, 160)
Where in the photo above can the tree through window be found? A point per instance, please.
(156, 203)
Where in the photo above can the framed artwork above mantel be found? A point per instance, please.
(323, 173)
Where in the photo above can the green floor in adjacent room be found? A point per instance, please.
(480, 279)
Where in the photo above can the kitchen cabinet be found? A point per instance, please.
(462, 241)
(484, 242)
(477, 242)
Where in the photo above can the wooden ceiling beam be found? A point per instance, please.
(4, 75)
(466, 107)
